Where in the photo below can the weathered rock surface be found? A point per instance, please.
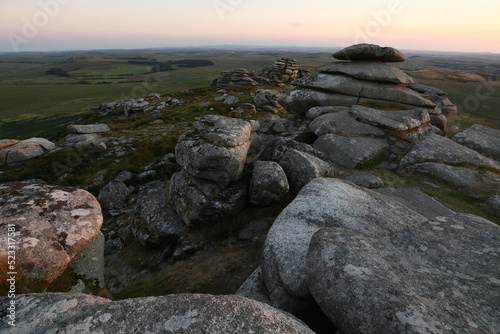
(301, 167)
(434, 148)
(155, 221)
(370, 52)
(52, 224)
(88, 265)
(456, 176)
(253, 287)
(71, 313)
(199, 201)
(82, 140)
(365, 180)
(269, 183)
(398, 120)
(283, 71)
(113, 195)
(238, 77)
(343, 123)
(351, 151)
(88, 128)
(418, 201)
(215, 148)
(322, 203)
(267, 100)
(368, 70)
(481, 139)
(344, 85)
(301, 100)
(437, 276)
(279, 146)
(12, 151)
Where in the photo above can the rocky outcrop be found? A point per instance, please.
(321, 203)
(283, 71)
(364, 79)
(70, 313)
(155, 222)
(12, 151)
(51, 223)
(238, 77)
(267, 100)
(375, 266)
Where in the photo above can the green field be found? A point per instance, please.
(33, 101)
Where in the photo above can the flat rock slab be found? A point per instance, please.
(189, 314)
(435, 148)
(482, 139)
(398, 120)
(351, 151)
(323, 202)
(366, 51)
(341, 84)
(52, 225)
(12, 151)
(418, 201)
(342, 122)
(302, 99)
(437, 276)
(88, 128)
(368, 70)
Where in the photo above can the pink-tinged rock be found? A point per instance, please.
(12, 151)
(52, 224)
(4, 143)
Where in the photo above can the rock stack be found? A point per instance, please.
(212, 155)
(283, 71)
(238, 77)
(12, 150)
(87, 135)
(363, 78)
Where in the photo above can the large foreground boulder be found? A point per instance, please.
(75, 313)
(437, 276)
(375, 266)
(50, 225)
(322, 203)
(482, 139)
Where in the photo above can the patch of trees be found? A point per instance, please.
(58, 71)
(169, 65)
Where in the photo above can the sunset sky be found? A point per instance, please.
(43, 25)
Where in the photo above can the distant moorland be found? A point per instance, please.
(40, 90)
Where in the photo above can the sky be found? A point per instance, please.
(61, 25)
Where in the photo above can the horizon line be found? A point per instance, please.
(229, 46)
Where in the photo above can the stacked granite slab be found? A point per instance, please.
(363, 77)
(364, 110)
(284, 71)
